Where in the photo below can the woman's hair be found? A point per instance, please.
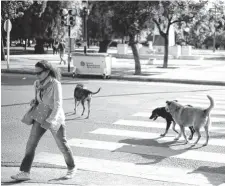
(53, 72)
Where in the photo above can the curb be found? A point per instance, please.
(166, 80)
(130, 78)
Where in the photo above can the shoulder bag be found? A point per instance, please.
(38, 112)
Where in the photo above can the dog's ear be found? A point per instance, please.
(175, 100)
(168, 102)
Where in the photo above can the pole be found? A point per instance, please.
(214, 41)
(8, 42)
(85, 37)
(69, 55)
(214, 36)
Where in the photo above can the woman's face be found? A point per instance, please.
(41, 73)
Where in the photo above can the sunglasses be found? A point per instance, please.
(39, 73)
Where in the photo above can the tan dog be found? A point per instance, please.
(81, 94)
(191, 116)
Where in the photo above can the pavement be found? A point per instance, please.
(207, 69)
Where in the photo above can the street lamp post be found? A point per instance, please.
(85, 16)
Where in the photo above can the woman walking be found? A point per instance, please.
(49, 92)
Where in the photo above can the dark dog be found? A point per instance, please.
(161, 112)
(81, 94)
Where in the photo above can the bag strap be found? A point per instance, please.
(43, 88)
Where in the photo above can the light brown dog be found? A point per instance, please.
(186, 116)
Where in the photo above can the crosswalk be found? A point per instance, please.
(133, 147)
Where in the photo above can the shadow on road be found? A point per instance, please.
(155, 157)
(14, 182)
(151, 142)
(205, 170)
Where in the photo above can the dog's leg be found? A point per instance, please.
(179, 135)
(183, 132)
(197, 130)
(168, 123)
(192, 133)
(75, 109)
(88, 103)
(174, 124)
(82, 102)
(206, 127)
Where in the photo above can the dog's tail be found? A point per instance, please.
(208, 110)
(96, 91)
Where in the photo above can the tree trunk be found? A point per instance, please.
(136, 56)
(103, 46)
(2, 51)
(29, 43)
(39, 47)
(25, 46)
(166, 51)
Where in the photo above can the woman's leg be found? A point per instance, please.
(35, 135)
(61, 141)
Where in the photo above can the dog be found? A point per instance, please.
(191, 116)
(161, 112)
(82, 94)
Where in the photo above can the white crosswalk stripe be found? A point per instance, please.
(150, 150)
(161, 125)
(206, 101)
(213, 118)
(148, 135)
(126, 131)
(194, 97)
(215, 111)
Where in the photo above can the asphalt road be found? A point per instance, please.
(117, 100)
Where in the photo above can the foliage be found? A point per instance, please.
(205, 23)
(167, 13)
(99, 21)
(39, 19)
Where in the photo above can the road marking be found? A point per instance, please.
(214, 111)
(154, 172)
(160, 125)
(146, 114)
(153, 136)
(212, 94)
(220, 98)
(191, 100)
(202, 105)
(167, 152)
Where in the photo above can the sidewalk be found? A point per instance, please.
(54, 176)
(207, 72)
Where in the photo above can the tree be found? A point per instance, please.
(11, 10)
(172, 12)
(206, 23)
(46, 21)
(100, 24)
(124, 18)
(130, 19)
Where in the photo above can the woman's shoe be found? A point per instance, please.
(70, 173)
(21, 176)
